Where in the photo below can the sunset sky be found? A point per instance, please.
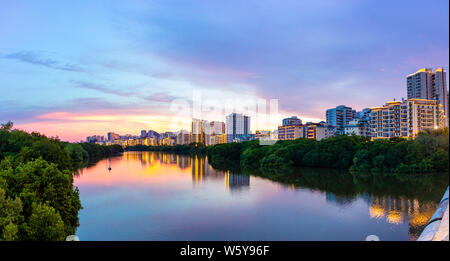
(89, 67)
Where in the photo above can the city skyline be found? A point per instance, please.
(125, 64)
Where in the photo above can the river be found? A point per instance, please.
(158, 196)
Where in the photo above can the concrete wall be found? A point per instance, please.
(437, 228)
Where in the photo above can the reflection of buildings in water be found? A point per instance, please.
(236, 181)
(201, 170)
(167, 158)
(183, 161)
(339, 200)
(398, 210)
(198, 169)
(149, 158)
(144, 158)
(291, 187)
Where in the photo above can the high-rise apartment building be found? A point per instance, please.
(183, 137)
(217, 127)
(339, 117)
(113, 136)
(364, 114)
(153, 134)
(429, 85)
(405, 118)
(292, 121)
(359, 127)
(198, 130)
(319, 130)
(290, 132)
(262, 134)
(291, 128)
(237, 127)
(95, 139)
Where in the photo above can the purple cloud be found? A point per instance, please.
(32, 58)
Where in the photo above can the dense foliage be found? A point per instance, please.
(193, 148)
(37, 197)
(427, 153)
(81, 153)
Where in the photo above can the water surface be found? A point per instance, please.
(157, 196)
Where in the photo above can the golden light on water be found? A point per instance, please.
(376, 212)
(399, 210)
(395, 217)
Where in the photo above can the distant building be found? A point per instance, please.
(237, 127)
(339, 117)
(217, 133)
(290, 132)
(292, 121)
(153, 134)
(429, 85)
(405, 118)
(364, 114)
(274, 134)
(219, 139)
(169, 134)
(112, 136)
(183, 137)
(198, 130)
(358, 127)
(262, 134)
(132, 142)
(143, 133)
(319, 131)
(95, 139)
(150, 141)
(217, 128)
(168, 141)
(309, 130)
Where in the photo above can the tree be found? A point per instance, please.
(10, 216)
(7, 126)
(45, 224)
(10, 232)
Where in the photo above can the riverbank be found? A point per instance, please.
(344, 183)
(37, 196)
(188, 149)
(428, 153)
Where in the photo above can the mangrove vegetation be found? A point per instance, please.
(427, 153)
(37, 197)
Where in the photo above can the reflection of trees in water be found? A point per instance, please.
(339, 200)
(93, 163)
(345, 186)
(398, 199)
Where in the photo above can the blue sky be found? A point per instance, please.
(81, 68)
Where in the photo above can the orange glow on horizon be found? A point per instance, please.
(76, 126)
